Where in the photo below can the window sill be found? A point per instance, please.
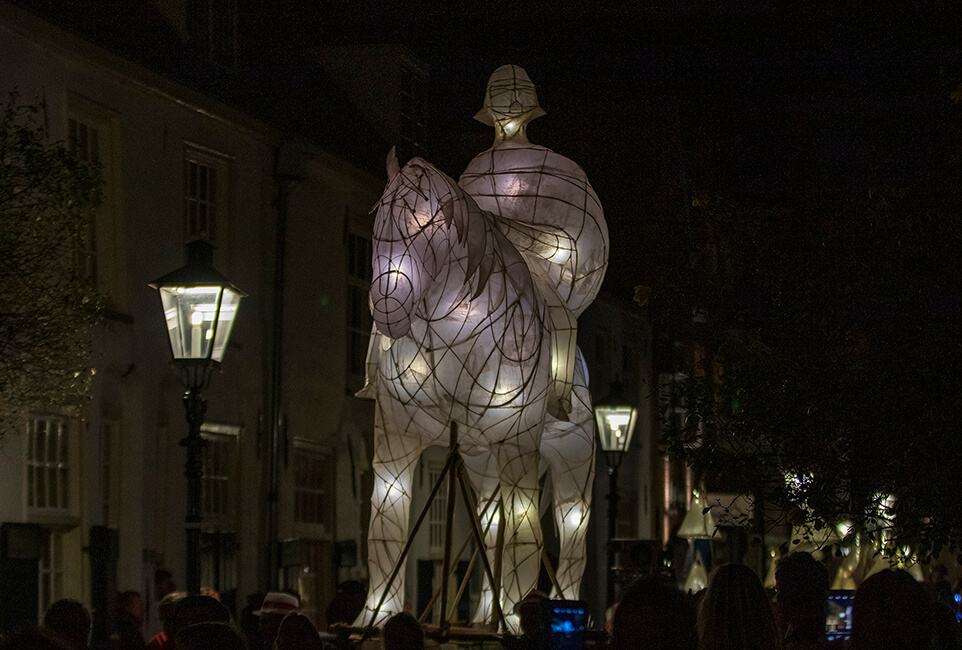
(312, 531)
(52, 518)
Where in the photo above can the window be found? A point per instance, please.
(359, 321)
(51, 569)
(205, 192)
(311, 473)
(218, 547)
(218, 560)
(217, 478)
(92, 135)
(438, 513)
(212, 29)
(48, 467)
(83, 141)
(200, 199)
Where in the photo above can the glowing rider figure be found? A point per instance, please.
(547, 209)
(544, 204)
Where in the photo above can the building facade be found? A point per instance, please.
(94, 501)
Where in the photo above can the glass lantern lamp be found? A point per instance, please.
(200, 306)
(615, 418)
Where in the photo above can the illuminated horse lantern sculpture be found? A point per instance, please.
(467, 332)
(464, 338)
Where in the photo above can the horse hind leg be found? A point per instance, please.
(395, 457)
(523, 543)
(570, 457)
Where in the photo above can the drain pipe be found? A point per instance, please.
(288, 170)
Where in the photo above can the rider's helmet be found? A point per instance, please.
(509, 95)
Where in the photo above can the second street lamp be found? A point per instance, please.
(200, 306)
(615, 418)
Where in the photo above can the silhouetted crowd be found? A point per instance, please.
(890, 610)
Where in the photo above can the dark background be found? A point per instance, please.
(796, 106)
(764, 103)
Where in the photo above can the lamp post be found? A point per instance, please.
(200, 306)
(615, 418)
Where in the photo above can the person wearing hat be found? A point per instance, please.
(528, 610)
(164, 639)
(275, 606)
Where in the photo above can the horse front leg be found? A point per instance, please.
(521, 555)
(395, 457)
(482, 470)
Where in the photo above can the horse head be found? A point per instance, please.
(413, 242)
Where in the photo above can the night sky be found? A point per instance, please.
(764, 104)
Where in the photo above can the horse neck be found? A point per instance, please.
(452, 284)
(453, 287)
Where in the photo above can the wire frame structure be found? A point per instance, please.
(473, 327)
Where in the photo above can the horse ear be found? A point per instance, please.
(392, 165)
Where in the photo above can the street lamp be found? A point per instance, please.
(615, 418)
(200, 306)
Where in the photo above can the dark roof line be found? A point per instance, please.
(294, 95)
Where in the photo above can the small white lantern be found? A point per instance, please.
(698, 522)
(200, 306)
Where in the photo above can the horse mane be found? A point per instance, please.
(475, 232)
(476, 229)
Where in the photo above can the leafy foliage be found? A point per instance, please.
(47, 305)
(827, 357)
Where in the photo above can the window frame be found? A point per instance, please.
(62, 467)
(220, 437)
(217, 202)
(51, 568)
(323, 454)
(437, 514)
(104, 247)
